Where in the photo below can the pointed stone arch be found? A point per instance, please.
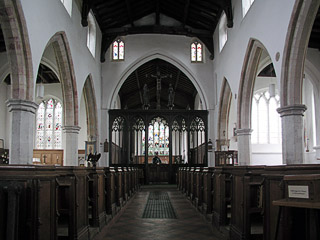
(21, 103)
(294, 55)
(16, 38)
(67, 77)
(297, 39)
(224, 108)
(245, 94)
(70, 97)
(91, 108)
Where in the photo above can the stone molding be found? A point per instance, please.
(71, 129)
(244, 131)
(296, 109)
(22, 105)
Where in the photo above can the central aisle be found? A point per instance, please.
(158, 212)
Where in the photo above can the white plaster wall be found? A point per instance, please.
(143, 48)
(257, 24)
(82, 124)
(271, 32)
(44, 19)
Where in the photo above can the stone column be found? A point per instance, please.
(71, 134)
(244, 146)
(22, 130)
(292, 133)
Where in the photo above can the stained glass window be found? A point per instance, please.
(266, 122)
(196, 52)
(49, 125)
(118, 50)
(158, 139)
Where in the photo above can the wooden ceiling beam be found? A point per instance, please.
(139, 87)
(157, 13)
(186, 12)
(86, 6)
(129, 12)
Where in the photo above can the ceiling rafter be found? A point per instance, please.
(129, 12)
(186, 12)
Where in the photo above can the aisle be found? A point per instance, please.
(158, 212)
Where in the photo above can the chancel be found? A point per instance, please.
(117, 115)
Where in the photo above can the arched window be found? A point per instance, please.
(223, 31)
(49, 124)
(266, 122)
(196, 52)
(68, 5)
(118, 50)
(246, 4)
(91, 36)
(158, 137)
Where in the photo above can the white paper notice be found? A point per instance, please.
(296, 191)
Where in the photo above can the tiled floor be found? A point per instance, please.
(130, 225)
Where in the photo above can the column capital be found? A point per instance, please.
(71, 129)
(296, 109)
(22, 105)
(244, 131)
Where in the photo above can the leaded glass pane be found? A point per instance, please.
(58, 126)
(263, 121)
(254, 122)
(274, 120)
(193, 52)
(49, 125)
(199, 52)
(115, 50)
(121, 50)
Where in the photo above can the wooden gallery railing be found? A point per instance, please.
(257, 202)
(50, 203)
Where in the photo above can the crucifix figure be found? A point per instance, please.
(158, 78)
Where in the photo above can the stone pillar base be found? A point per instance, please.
(22, 131)
(292, 133)
(70, 145)
(244, 146)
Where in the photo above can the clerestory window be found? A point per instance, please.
(246, 4)
(92, 33)
(223, 31)
(68, 5)
(118, 50)
(196, 52)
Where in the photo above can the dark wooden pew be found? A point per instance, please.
(206, 206)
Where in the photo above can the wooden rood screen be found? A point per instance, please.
(176, 136)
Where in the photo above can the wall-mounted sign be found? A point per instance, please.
(297, 191)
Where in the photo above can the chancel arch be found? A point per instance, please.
(158, 118)
(166, 57)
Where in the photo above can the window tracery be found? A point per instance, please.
(49, 125)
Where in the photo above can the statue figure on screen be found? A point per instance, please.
(170, 97)
(146, 103)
